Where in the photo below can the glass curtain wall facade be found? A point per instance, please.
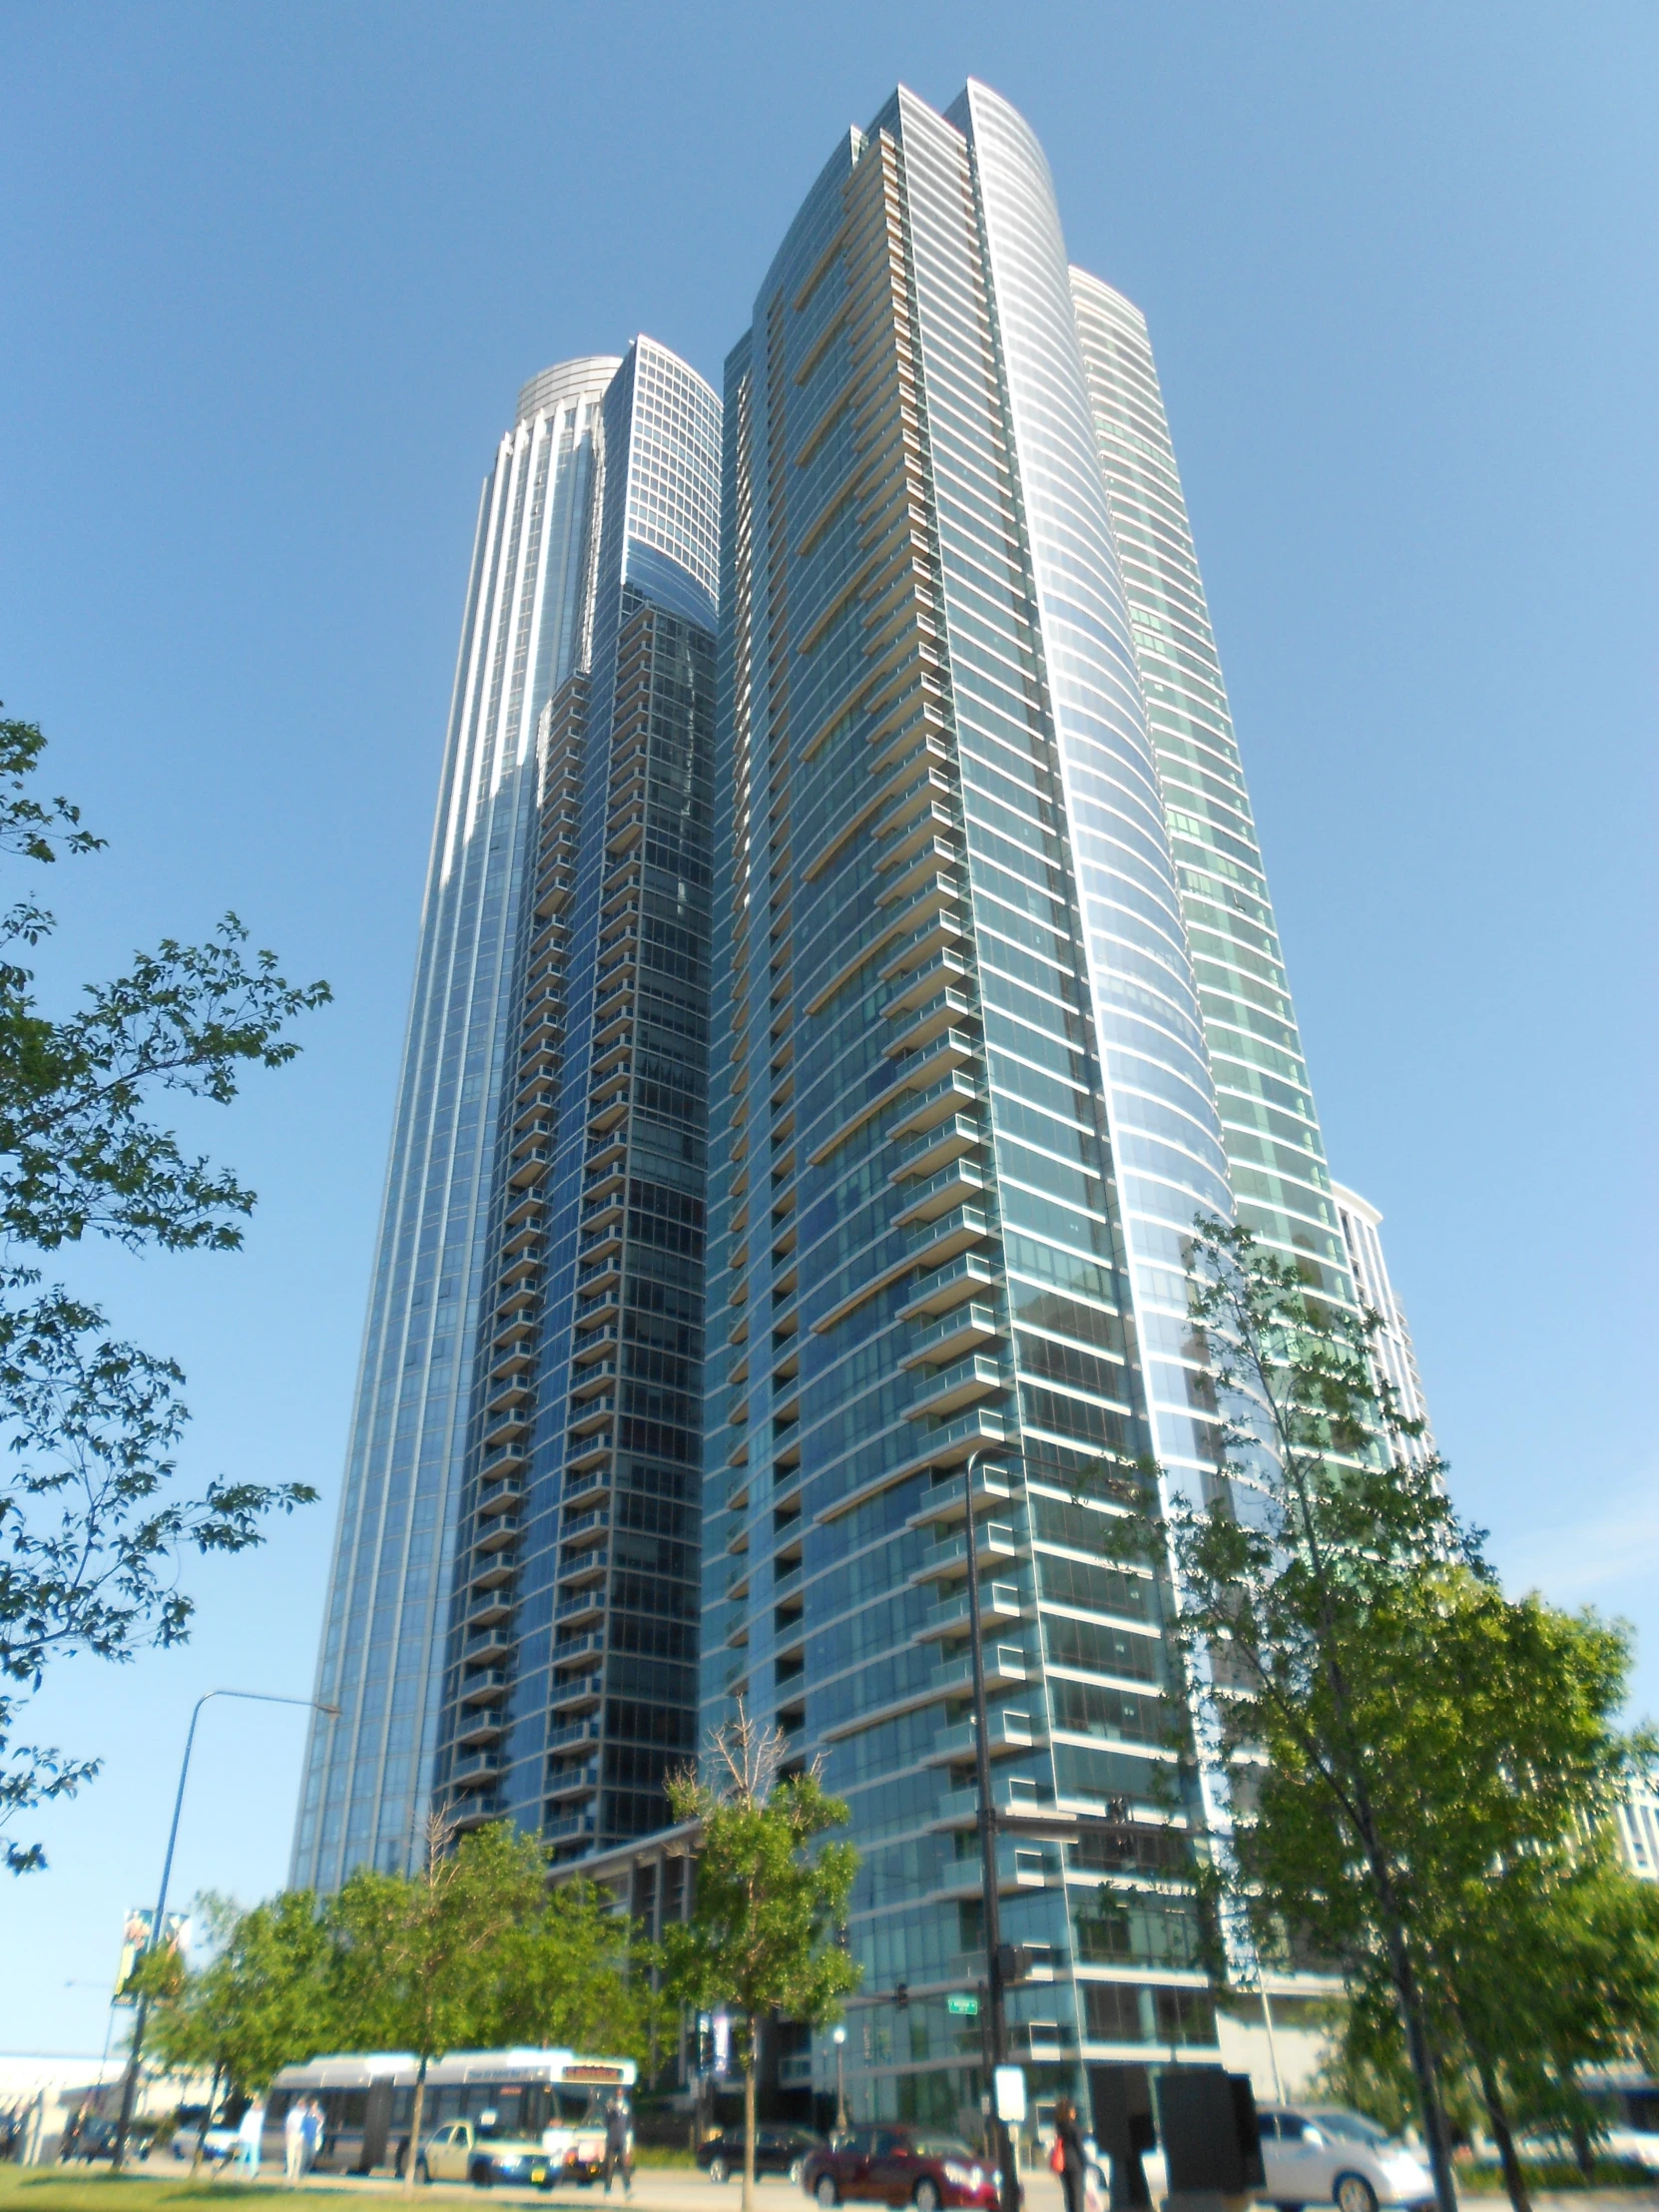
(368, 1775)
(1392, 1349)
(570, 1684)
(966, 1107)
(1276, 1157)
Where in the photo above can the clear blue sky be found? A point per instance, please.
(272, 277)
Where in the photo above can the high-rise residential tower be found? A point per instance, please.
(595, 544)
(571, 1682)
(1392, 1349)
(998, 1009)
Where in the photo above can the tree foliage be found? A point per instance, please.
(267, 1997)
(1417, 1762)
(473, 1951)
(768, 1905)
(92, 1537)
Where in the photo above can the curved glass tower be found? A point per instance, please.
(998, 1011)
(368, 1774)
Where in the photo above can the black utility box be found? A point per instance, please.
(1207, 2125)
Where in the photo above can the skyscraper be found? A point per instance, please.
(1394, 1354)
(998, 1009)
(594, 558)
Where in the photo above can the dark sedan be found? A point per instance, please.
(778, 2150)
(899, 2165)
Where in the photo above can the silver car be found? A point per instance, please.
(1311, 2154)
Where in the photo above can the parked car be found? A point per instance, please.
(465, 2150)
(778, 2150)
(218, 2142)
(1313, 2154)
(899, 2165)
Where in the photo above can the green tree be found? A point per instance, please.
(266, 2000)
(768, 1908)
(1403, 1740)
(422, 1962)
(91, 1538)
(572, 1975)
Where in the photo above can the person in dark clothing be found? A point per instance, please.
(1070, 2140)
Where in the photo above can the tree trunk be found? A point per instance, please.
(1502, 2134)
(202, 2132)
(1584, 2151)
(749, 2125)
(411, 2156)
(1410, 1998)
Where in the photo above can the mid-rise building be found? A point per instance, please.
(998, 1009)
(511, 1619)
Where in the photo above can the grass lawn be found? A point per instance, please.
(73, 2189)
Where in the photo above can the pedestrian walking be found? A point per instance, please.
(247, 2140)
(619, 2144)
(1073, 2163)
(293, 2142)
(311, 2132)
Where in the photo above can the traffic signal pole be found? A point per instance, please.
(990, 1903)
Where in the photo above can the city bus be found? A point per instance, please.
(550, 2100)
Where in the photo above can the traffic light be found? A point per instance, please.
(902, 1996)
(1014, 1961)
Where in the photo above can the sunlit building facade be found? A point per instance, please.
(997, 1010)
(1392, 1349)
(595, 546)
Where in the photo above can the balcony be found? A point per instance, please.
(960, 1180)
(1011, 1793)
(507, 1427)
(946, 1502)
(999, 1609)
(1007, 1732)
(589, 1413)
(573, 1782)
(583, 1566)
(583, 1528)
(994, 1543)
(579, 1691)
(480, 1728)
(1005, 1668)
(953, 1333)
(569, 1830)
(938, 1241)
(950, 1096)
(506, 1497)
(579, 1651)
(496, 1533)
(586, 1605)
(488, 1646)
(487, 1688)
(951, 1285)
(473, 1811)
(488, 1611)
(573, 1735)
(948, 1390)
(585, 1487)
(590, 1452)
(529, 1167)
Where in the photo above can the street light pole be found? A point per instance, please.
(991, 1903)
(157, 1927)
(841, 2082)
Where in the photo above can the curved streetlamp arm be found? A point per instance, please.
(157, 1927)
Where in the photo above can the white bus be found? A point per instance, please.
(527, 2102)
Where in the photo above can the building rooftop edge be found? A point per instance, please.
(586, 374)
